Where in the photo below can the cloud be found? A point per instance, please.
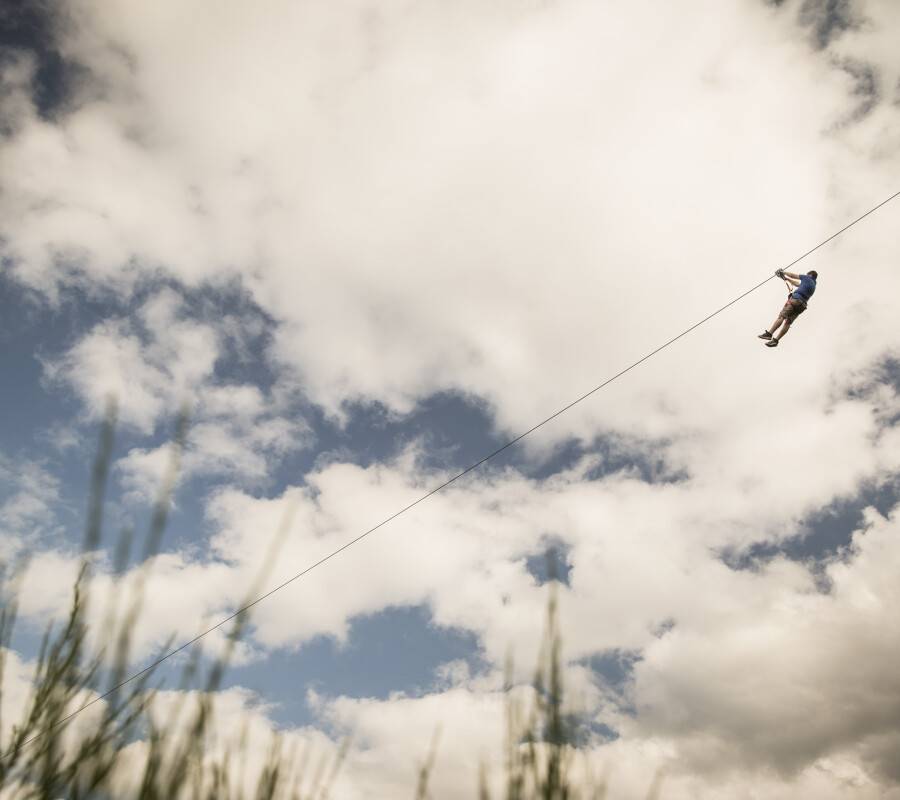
(509, 218)
(722, 694)
(160, 362)
(107, 364)
(241, 726)
(473, 241)
(17, 676)
(783, 680)
(243, 729)
(516, 227)
(752, 652)
(242, 451)
(148, 366)
(28, 506)
(16, 76)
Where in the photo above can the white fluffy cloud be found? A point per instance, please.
(163, 362)
(28, 506)
(450, 198)
(728, 657)
(505, 203)
(790, 676)
(148, 367)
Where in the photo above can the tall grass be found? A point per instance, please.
(89, 731)
(83, 716)
(541, 736)
(49, 755)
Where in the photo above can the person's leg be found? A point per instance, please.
(773, 328)
(787, 327)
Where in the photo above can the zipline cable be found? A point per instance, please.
(447, 483)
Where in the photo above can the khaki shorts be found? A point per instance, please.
(792, 309)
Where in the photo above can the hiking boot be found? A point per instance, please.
(765, 335)
(772, 343)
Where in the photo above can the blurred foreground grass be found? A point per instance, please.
(121, 746)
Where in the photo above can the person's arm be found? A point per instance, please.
(788, 277)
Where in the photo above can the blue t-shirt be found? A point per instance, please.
(805, 290)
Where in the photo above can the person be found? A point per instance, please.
(800, 290)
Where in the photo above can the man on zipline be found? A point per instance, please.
(801, 288)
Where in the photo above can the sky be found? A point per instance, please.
(360, 246)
